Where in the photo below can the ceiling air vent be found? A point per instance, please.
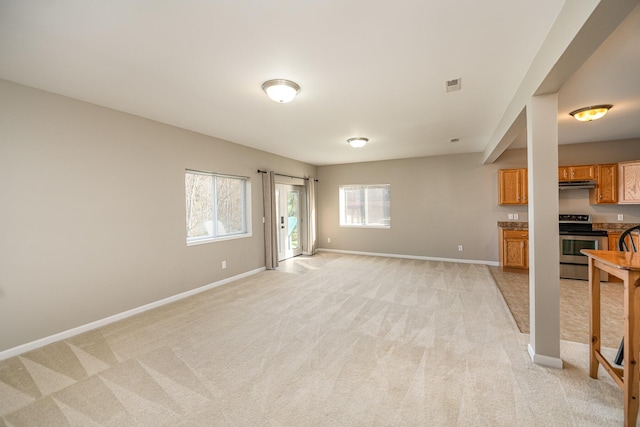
(453, 84)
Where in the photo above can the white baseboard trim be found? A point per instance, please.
(423, 258)
(539, 359)
(23, 348)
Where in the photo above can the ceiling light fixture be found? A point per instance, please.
(588, 114)
(280, 90)
(358, 142)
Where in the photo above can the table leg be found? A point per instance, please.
(631, 347)
(594, 317)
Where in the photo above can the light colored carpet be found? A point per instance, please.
(328, 340)
(574, 307)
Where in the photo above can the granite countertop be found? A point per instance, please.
(614, 227)
(513, 225)
(618, 227)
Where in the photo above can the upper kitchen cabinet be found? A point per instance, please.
(629, 182)
(606, 191)
(576, 173)
(512, 187)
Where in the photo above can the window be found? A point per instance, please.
(365, 205)
(217, 206)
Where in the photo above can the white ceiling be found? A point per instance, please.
(371, 68)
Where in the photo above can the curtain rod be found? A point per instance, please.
(288, 176)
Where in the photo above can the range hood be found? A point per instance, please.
(576, 185)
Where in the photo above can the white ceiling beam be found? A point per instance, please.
(579, 30)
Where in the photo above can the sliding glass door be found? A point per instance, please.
(289, 213)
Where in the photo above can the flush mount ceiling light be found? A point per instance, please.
(358, 142)
(588, 114)
(280, 90)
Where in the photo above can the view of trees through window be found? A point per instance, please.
(365, 205)
(215, 205)
(293, 205)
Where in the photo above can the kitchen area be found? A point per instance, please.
(597, 202)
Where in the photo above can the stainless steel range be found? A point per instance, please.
(576, 233)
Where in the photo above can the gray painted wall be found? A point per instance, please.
(438, 203)
(93, 221)
(93, 214)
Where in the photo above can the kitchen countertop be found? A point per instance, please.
(617, 227)
(614, 227)
(513, 225)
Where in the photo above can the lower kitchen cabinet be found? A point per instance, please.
(514, 250)
(614, 237)
(613, 246)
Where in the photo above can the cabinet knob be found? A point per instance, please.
(600, 196)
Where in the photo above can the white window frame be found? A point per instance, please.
(343, 219)
(246, 211)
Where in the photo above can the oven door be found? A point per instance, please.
(574, 265)
(571, 245)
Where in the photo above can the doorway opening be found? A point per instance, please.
(290, 212)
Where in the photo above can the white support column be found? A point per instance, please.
(544, 268)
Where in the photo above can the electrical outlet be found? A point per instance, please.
(515, 216)
(328, 239)
(620, 217)
(459, 248)
(224, 264)
(510, 216)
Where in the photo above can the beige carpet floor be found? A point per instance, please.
(574, 307)
(328, 340)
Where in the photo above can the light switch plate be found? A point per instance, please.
(620, 217)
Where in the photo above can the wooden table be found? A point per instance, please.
(625, 265)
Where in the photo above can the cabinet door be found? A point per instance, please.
(614, 237)
(582, 173)
(613, 246)
(613, 241)
(511, 187)
(629, 182)
(606, 190)
(515, 249)
(563, 173)
(515, 253)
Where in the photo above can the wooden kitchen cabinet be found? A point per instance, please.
(614, 237)
(613, 240)
(613, 246)
(514, 251)
(512, 186)
(629, 182)
(576, 173)
(606, 191)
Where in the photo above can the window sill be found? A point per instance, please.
(382, 227)
(217, 239)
